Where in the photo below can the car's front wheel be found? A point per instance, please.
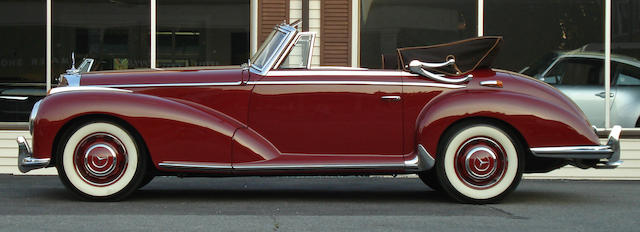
(100, 160)
(479, 163)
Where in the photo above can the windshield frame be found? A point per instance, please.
(270, 58)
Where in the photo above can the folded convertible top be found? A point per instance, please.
(469, 54)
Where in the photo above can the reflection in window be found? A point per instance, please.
(534, 28)
(628, 75)
(22, 58)
(114, 33)
(577, 71)
(202, 32)
(390, 24)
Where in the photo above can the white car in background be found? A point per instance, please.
(580, 75)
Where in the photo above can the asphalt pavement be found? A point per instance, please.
(39, 203)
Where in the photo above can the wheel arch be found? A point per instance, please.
(97, 117)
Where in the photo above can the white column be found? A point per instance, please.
(48, 52)
(153, 34)
(355, 33)
(253, 28)
(607, 63)
(480, 17)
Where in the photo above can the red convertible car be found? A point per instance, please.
(440, 112)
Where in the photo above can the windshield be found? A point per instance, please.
(270, 45)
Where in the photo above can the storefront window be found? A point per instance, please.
(389, 24)
(625, 49)
(22, 58)
(559, 42)
(114, 33)
(202, 32)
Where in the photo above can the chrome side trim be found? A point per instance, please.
(312, 72)
(26, 162)
(355, 83)
(194, 166)
(312, 167)
(86, 88)
(302, 167)
(173, 85)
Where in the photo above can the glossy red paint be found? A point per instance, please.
(315, 118)
(171, 129)
(246, 120)
(544, 117)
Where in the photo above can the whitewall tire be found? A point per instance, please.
(479, 163)
(100, 160)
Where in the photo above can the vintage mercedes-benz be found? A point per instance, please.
(439, 111)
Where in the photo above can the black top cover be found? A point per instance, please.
(470, 54)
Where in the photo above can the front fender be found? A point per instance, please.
(172, 129)
(541, 123)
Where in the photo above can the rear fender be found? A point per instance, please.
(539, 122)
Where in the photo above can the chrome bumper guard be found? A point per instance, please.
(26, 162)
(609, 155)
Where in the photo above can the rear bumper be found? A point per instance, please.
(26, 162)
(609, 154)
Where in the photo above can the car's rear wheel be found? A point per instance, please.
(100, 160)
(479, 163)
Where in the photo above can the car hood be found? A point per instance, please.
(158, 77)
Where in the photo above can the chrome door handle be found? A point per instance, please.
(602, 94)
(391, 98)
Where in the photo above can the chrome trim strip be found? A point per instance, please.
(86, 88)
(365, 73)
(173, 85)
(26, 162)
(303, 167)
(193, 165)
(317, 167)
(355, 83)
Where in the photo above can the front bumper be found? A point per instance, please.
(26, 162)
(609, 155)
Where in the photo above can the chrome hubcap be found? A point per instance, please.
(100, 159)
(480, 162)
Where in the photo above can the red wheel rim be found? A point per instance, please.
(480, 162)
(100, 159)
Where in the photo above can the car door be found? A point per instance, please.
(337, 112)
(582, 80)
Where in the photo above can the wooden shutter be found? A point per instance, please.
(335, 33)
(270, 14)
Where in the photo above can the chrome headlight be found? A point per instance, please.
(32, 116)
